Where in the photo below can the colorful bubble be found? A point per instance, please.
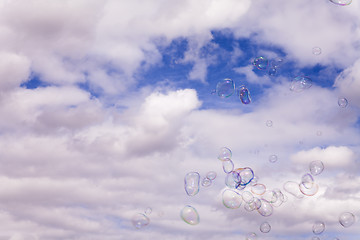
(273, 158)
(205, 182)
(318, 227)
(280, 198)
(211, 175)
(231, 199)
(316, 51)
(228, 165)
(316, 167)
(148, 211)
(265, 227)
(247, 197)
(261, 63)
(342, 102)
(246, 175)
(244, 94)
(191, 183)
(309, 191)
(254, 180)
(265, 209)
(251, 236)
(258, 189)
(140, 220)
(232, 179)
(293, 189)
(346, 219)
(341, 2)
(254, 205)
(270, 196)
(307, 180)
(300, 83)
(277, 62)
(269, 123)
(224, 154)
(190, 215)
(225, 88)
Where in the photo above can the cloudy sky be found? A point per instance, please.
(107, 105)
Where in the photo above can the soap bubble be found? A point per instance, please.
(316, 167)
(309, 191)
(190, 215)
(273, 158)
(293, 189)
(140, 220)
(347, 219)
(265, 227)
(244, 94)
(269, 196)
(247, 197)
(258, 189)
(211, 175)
(269, 123)
(316, 51)
(231, 199)
(228, 165)
(206, 182)
(224, 154)
(191, 183)
(261, 63)
(300, 83)
(246, 175)
(148, 211)
(265, 209)
(225, 88)
(254, 180)
(232, 179)
(318, 227)
(342, 102)
(275, 63)
(280, 198)
(272, 71)
(251, 236)
(341, 2)
(254, 205)
(307, 180)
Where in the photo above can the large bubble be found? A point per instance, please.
(140, 220)
(261, 63)
(244, 94)
(228, 165)
(231, 199)
(307, 180)
(265, 227)
(265, 209)
(318, 227)
(346, 219)
(232, 179)
(341, 2)
(224, 154)
(246, 175)
(191, 183)
(225, 88)
(309, 191)
(190, 215)
(300, 83)
(316, 167)
(258, 189)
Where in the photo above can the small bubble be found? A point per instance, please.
(272, 71)
(228, 165)
(300, 83)
(244, 94)
(225, 88)
(251, 236)
(246, 175)
(190, 215)
(316, 167)
(206, 182)
(316, 51)
(247, 197)
(224, 154)
(318, 227)
(261, 63)
(213, 92)
(232, 179)
(266, 208)
(342, 102)
(191, 183)
(277, 62)
(341, 2)
(269, 123)
(211, 175)
(231, 199)
(258, 189)
(148, 211)
(139, 220)
(265, 227)
(273, 158)
(307, 180)
(347, 219)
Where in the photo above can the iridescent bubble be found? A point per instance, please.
(148, 211)
(254, 205)
(206, 182)
(341, 2)
(228, 165)
(316, 51)
(342, 102)
(293, 189)
(309, 191)
(190, 215)
(316, 167)
(261, 63)
(273, 158)
(272, 71)
(191, 183)
(300, 83)
(247, 197)
(265, 227)
(224, 154)
(246, 175)
(346, 219)
(307, 180)
(277, 62)
(231, 199)
(251, 236)
(258, 189)
(225, 88)
(140, 220)
(269, 196)
(269, 123)
(280, 198)
(232, 179)
(211, 175)
(266, 209)
(254, 180)
(318, 227)
(244, 94)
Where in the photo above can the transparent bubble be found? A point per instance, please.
(225, 88)
(258, 189)
(191, 183)
(261, 63)
(244, 94)
(300, 83)
(273, 158)
(265, 227)
(246, 175)
(140, 220)
(206, 182)
(247, 197)
(318, 227)
(316, 51)
(342, 102)
(277, 62)
(254, 205)
(341, 2)
(231, 199)
(269, 196)
(346, 219)
(228, 165)
(269, 123)
(190, 215)
(307, 180)
(316, 167)
(211, 175)
(224, 154)
(148, 211)
(232, 179)
(272, 71)
(251, 236)
(265, 209)
(309, 191)
(293, 189)
(254, 180)
(280, 198)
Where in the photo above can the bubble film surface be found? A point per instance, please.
(225, 88)
(316, 167)
(231, 199)
(318, 227)
(190, 215)
(300, 83)
(191, 183)
(265, 227)
(261, 63)
(140, 220)
(346, 219)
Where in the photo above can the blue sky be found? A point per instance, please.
(107, 105)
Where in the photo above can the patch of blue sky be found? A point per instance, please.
(34, 81)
